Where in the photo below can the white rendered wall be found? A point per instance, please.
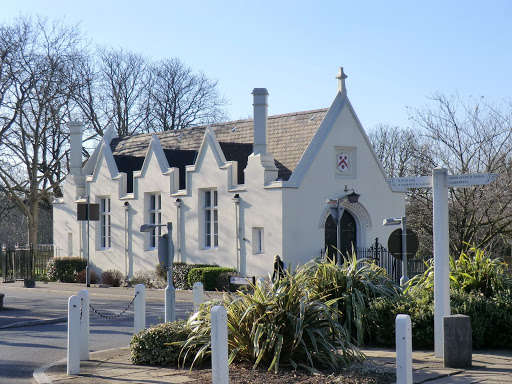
(260, 208)
(305, 208)
(207, 176)
(65, 223)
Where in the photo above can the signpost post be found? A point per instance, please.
(166, 261)
(87, 212)
(402, 243)
(440, 182)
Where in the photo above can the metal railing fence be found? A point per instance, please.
(25, 262)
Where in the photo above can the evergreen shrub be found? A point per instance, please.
(65, 269)
(180, 273)
(382, 313)
(490, 318)
(479, 288)
(213, 278)
(149, 346)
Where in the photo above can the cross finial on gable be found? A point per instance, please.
(341, 80)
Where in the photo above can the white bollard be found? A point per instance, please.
(83, 295)
(73, 353)
(219, 332)
(139, 316)
(403, 349)
(198, 295)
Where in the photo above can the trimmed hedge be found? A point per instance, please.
(213, 278)
(180, 273)
(65, 269)
(148, 346)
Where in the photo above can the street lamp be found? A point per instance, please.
(403, 221)
(337, 212)
(353, 197)
(166, 259)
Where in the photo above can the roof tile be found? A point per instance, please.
(288, 136)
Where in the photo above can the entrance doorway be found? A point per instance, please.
(348, 235)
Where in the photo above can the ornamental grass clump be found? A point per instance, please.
(474, 271)
(349, 288)
(280, 324)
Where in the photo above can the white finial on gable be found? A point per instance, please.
(341, 81)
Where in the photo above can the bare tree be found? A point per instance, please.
(124, 80)
(124, 89)
(180, 98)
(33, 110)
(473, 136)
(402, 152)
(48, 76)
(463, 136)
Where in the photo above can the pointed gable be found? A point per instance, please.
(104, 158)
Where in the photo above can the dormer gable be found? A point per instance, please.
(210, 145)
(156, 155)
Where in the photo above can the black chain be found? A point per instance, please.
(81, 308)
(113, 316)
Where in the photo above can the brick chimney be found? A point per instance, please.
(75, 143)
(260, 104)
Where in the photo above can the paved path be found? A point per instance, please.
(489, 367)
(114, 366)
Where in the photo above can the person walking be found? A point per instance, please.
(278, 269)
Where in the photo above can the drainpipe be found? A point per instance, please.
(177, 203)
(236, 199)
(126, 229)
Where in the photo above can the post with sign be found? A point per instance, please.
(87, 212)
(440, 182)
(166, 259)
(401, 243)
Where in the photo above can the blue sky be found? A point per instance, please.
(395, 53)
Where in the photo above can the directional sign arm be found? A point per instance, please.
(470, 179)
(401, 184)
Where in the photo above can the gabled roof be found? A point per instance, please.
(288, 136)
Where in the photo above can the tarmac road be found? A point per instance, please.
(33, 323)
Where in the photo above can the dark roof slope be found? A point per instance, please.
(288, 136)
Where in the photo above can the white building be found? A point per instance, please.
(237, 193)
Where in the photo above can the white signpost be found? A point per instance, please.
(440, 181)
